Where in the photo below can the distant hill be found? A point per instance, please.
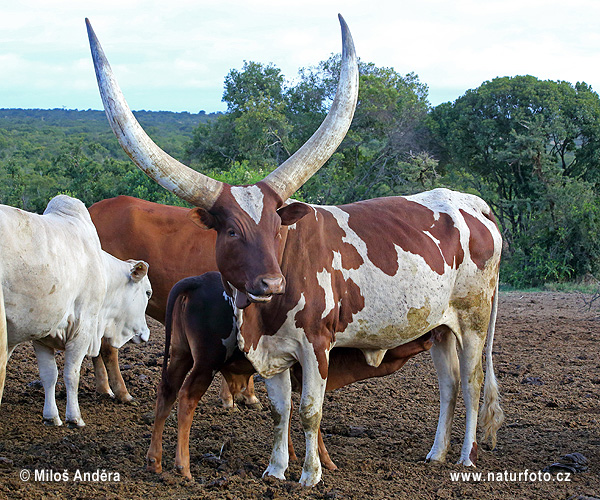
(48, 151)
(170, 130)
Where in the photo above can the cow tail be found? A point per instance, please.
(492, 415)
(173, 294)
(3, 343)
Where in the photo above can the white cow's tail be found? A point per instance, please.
(3, 343)
(492, 415)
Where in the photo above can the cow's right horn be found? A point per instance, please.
(186, 183)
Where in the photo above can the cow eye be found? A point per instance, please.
(231, 233)
(148, 294)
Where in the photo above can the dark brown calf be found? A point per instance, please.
(201, 340)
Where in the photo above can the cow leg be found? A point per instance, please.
(311, 411)
(445, 360)
(49, 376)
(227, 398)
(249, 396)
(74, 354)
(291, 450)
(234, 385)
(168, 387)
(192, 390)
(101, 377)
(471, 374)
(3, 344)
(110, 356)
(279, 389)
(324, 454)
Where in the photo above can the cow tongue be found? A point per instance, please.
(241, 299)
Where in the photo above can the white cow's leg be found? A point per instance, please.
(445, 360)
(4, 349)
(471, 374)
(311, 411)
(74, 355)
(279, 389)
(49, 376)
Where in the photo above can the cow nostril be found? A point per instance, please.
(273, 284)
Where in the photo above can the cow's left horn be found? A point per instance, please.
(188, 184)
(299, 167)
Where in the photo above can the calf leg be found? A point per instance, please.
(445, 360)
(49, 376)
(74, 354)
(279, 389)
(227, 398)
(168, 387)
(192, 390)
(110, 356)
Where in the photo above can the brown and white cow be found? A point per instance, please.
(166, 238)
(371, 275)
(201, 339)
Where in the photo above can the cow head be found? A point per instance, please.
(130, 299)
(248, 219)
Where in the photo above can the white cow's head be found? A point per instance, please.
(130, 302)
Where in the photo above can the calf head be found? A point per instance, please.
(248, 219)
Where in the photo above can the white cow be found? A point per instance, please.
(60, 290)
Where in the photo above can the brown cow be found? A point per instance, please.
(201, 337)
(371, 275)
(175, 248)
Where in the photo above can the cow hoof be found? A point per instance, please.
(309, 480)
(274, 472)
(125, 398)
(52, 422)
(329, 465)
(183, 471)
(257, 406)
(106, 395)
(75, 424)
(152, 465)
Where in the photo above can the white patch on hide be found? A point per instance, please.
(324, 279)
(250, 200)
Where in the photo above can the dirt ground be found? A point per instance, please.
(546, 354)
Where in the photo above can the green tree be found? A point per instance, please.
(523, 144)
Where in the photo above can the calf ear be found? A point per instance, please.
(202, 218)
(292, 213)
(138, 270)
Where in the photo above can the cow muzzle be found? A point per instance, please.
(140, 337)
(261, 291)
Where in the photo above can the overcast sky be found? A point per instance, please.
(173, 55)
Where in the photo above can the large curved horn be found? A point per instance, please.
(299, 167)
(186, 183)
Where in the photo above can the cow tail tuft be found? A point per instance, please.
(492, 415)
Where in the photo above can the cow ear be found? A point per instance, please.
(138, 270)
(202, 218)
(292, 213)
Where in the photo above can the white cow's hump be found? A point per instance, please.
(66, 206)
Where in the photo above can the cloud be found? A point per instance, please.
(175, 55)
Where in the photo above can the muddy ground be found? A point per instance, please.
(378, 431)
